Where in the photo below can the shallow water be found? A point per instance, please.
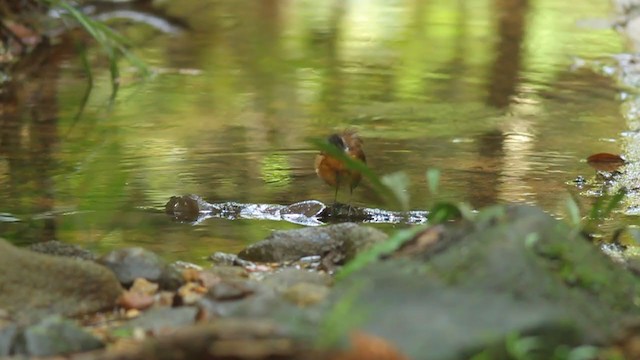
(495, 102)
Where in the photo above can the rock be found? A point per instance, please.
(305, 294)
(285, 278)
(35, 285)
(131, 263)
(232, 290)
(8, 333)
(222, 339)
(163, 319)
(54, 247)
(228, 272)
(515, 270)
(135, 300)
(346, 239)
(225, 259)
(57, 336)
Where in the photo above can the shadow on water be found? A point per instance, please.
(475, 89)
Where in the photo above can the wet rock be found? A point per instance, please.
(225, 259)
(131, 263)
(304, 212)
(345, 240)
(35, 285)
(186, 207)
(57, 336)
(163, 319)
(515, 270)
(58, 248)
(8, 333)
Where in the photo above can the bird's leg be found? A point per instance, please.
(350, 196)
(335, 196)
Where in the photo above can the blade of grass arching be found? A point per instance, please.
(596, 209)
(614, 202)
(375, 252)
(120, 42)
(107, 38)
(84, 58)
(86, 22)
(398, 183)
(380, 188)
(115, 78)
(433, 180)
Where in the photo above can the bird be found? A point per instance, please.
(333, 171)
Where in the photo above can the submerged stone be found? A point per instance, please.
(33, 285)
(515, 270)
(346, 240)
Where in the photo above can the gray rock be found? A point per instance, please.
(226, 259)
(161, 319)
(8, 332)
(228, 272)
(131, 263)
(57, 336)
(289, 245)
(58, 248)
(516, 270)
(288, 277)
(34, 285)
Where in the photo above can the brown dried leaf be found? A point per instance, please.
(605, 162)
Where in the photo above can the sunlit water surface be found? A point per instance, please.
(493, 101)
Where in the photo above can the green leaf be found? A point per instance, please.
(444, 211)
(398, 183)
(573, 211)
(433, 180)
(375, 252)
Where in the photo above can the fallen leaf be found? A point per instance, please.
(605, 162)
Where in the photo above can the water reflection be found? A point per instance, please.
(482, 90)
(29, 135)
(511, 17)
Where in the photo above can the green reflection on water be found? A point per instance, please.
(227, 115)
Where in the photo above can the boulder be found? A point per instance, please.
(515, 272)
(343, 240)
(55, 335)
(34, 285)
